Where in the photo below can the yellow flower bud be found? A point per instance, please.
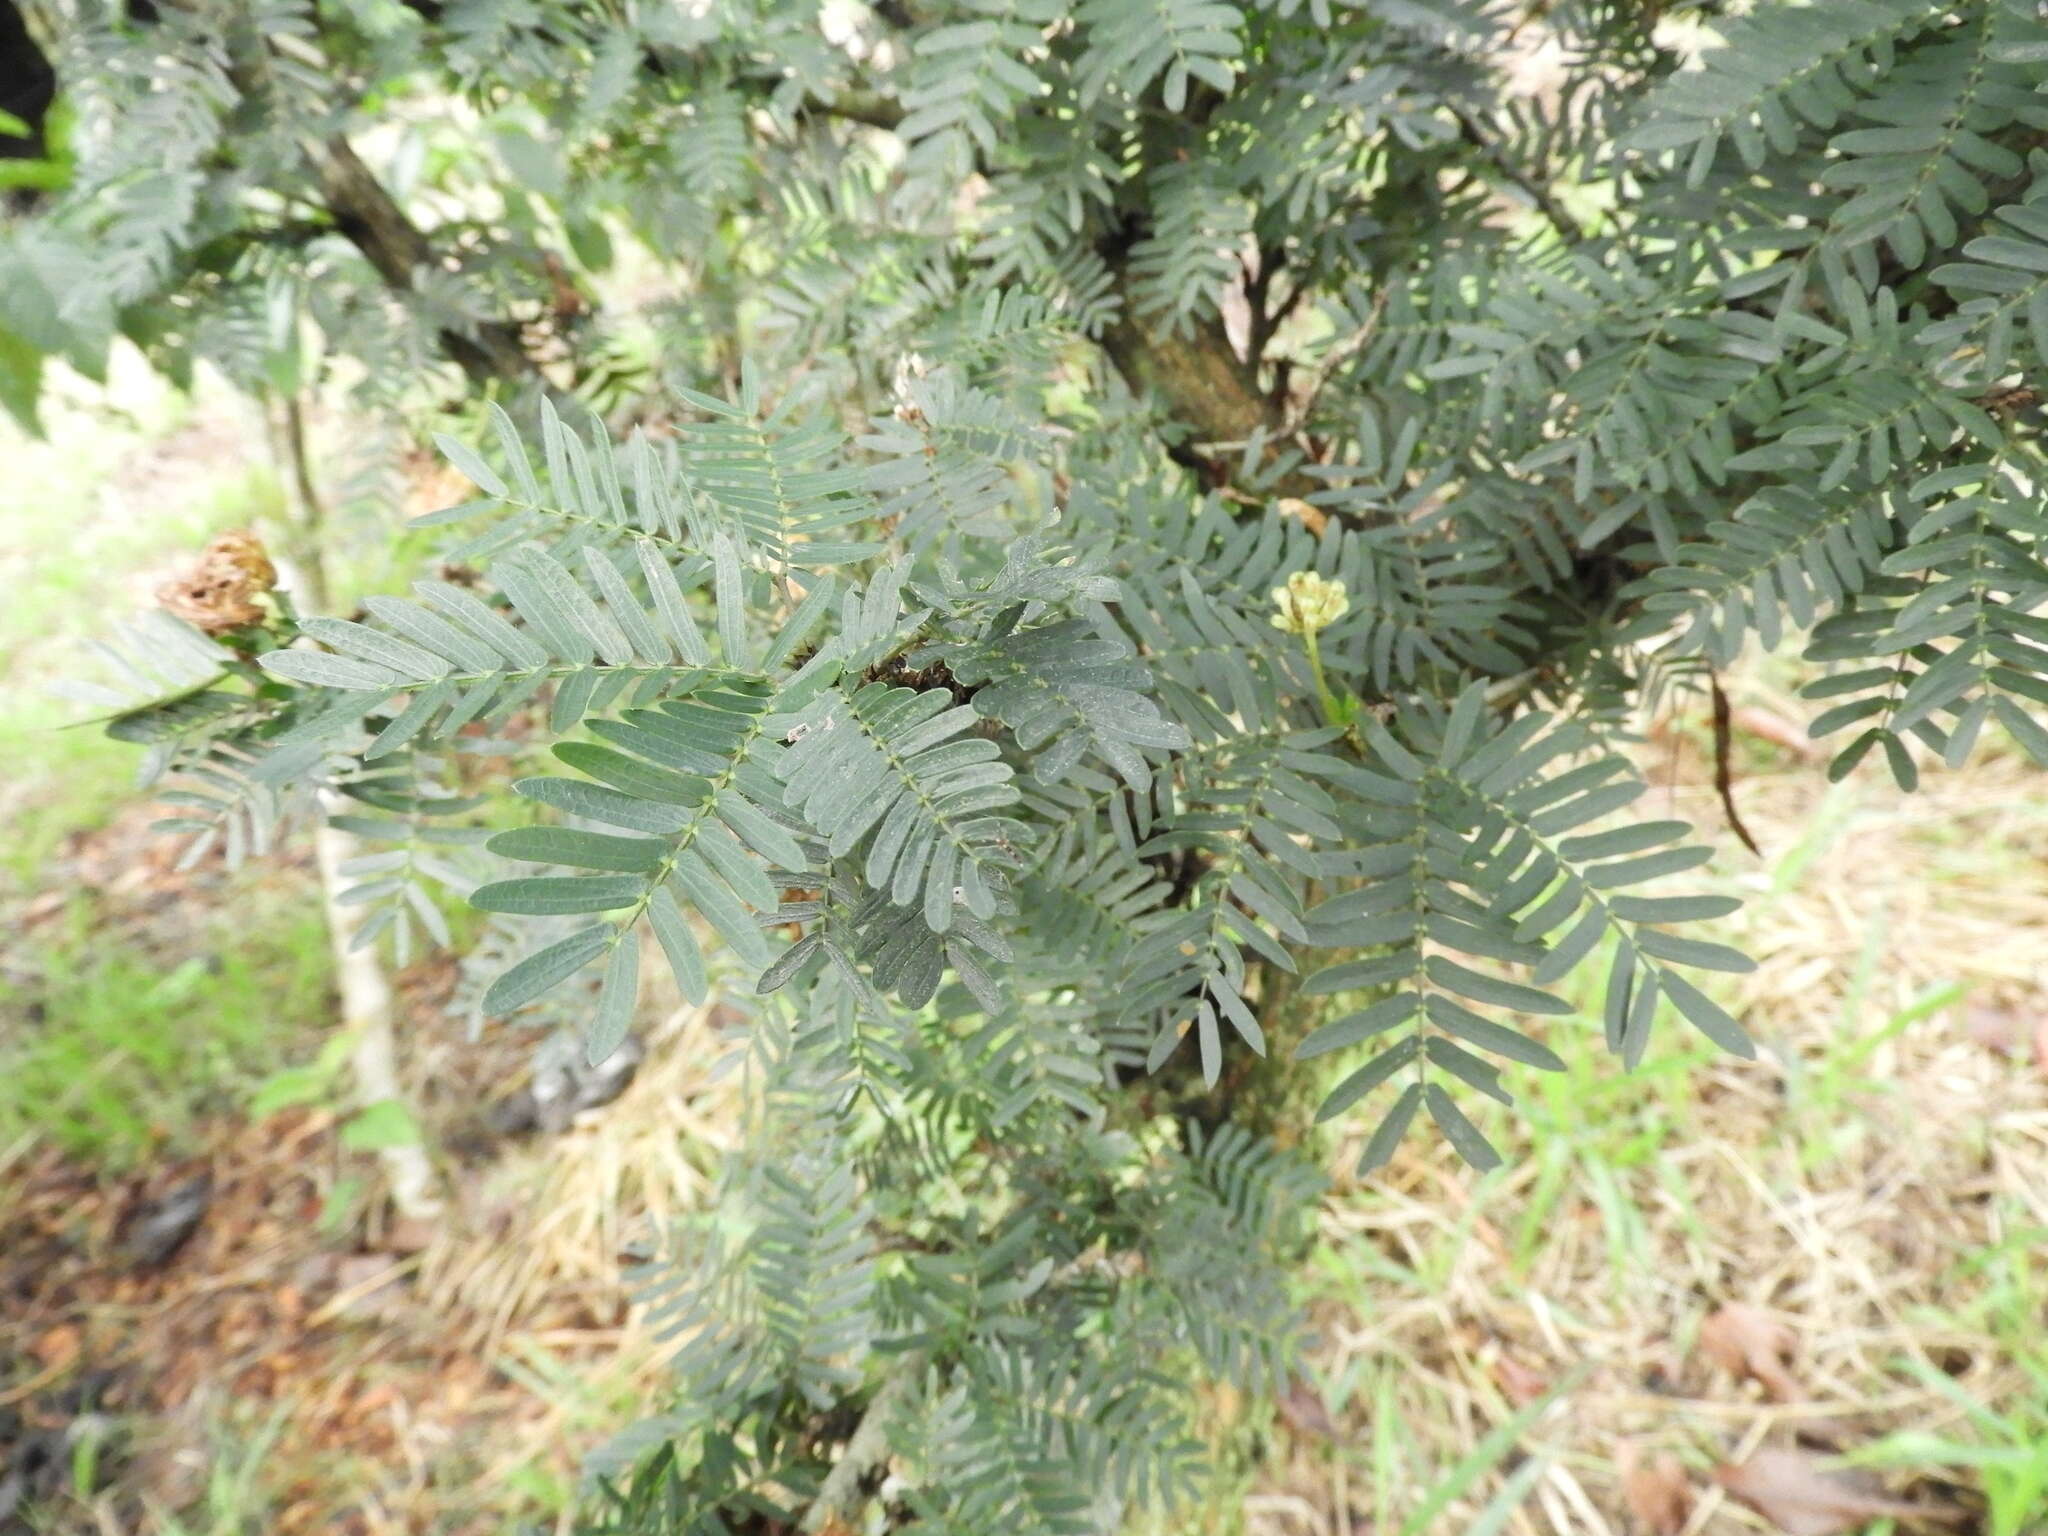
(1309, 603)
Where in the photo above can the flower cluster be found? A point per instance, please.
(1309, 603)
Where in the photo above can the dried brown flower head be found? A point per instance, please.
(219, 591)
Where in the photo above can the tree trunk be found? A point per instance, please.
(363, 989)
(1198, 377)
(1207, 388)
(28, 84)
(366, 1013)
(374, 223)
(307, 510)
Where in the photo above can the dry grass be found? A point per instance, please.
(1878, 1180)
(553, 1216)
(528, 1274)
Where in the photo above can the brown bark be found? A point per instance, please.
(375, 224)
(1207, 388)
(1197, 376)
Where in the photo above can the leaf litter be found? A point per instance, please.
(1798, 1493)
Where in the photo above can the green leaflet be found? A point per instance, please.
(546, 968)
(703, 836)
(586, 636)
(1494, 855)
(883, 769)
(1067, 694)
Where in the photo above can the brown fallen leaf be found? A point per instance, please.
(2007, 1032)
(1747, 1341)
(1520, 1384)
(1795, 1492)
(1995, 1028)
(1303, 1409)
(1312, 515)
(59, 1347)
(1656, 1491)
(1788, 735)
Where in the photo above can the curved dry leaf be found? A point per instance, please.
(1657, 1493)
(1305, 1412)
(1995, 1028)
(1520, 1384)
(1748, 1342)
(1308, 512)
(1795, 1492)
(1786, 735)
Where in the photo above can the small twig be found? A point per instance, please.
(1724, 771)
(1278, 316)
(310, 519)
(372, 221)
(873, 109)
(1335, 358)
(21, 1392)
(1257, 280)
(341, 1301)
(1342, 353)
(1547, 205)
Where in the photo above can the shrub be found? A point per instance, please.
(1125, 546)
